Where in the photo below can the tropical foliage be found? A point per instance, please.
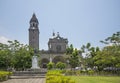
(107, 58)
(15, 55)
(73, 56)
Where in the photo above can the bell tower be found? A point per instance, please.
(34, 32)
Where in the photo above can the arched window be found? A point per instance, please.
(33, 24)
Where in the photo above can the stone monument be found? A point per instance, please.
(35, 62)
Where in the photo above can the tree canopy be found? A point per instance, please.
(15, 55)
(73, 56)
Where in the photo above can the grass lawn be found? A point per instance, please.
(95, 79)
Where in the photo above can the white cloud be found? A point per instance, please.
(3, 40)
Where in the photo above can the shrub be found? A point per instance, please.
(50, 65)
(90, 72)
(4, 75)
(61, 65)
(56, 76)
(69, 72)
(78, 72)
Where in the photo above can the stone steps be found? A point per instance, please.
(25, 77)
(28, 74)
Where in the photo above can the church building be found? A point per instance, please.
(56, 45)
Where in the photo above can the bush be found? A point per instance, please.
(50, 65)
(90, 72)
(78, 72)
(69, 72)
(61, 65)
(4, 75)
(56, 76)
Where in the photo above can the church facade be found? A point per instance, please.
(56, 45)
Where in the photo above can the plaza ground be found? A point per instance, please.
(78, 79)
(29, 80)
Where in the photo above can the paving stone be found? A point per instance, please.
(30, 80)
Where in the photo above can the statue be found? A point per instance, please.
(35, 61)
(50, 59)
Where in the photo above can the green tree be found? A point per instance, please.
(114, 39)
(50, 65)
(15, 55)
(90, 53)
(23, 58)
(74, 59)
(60, 65)
(5, 54)
(69, 49)
(109, 56)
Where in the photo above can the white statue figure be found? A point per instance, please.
(50, 59)
(35, 62)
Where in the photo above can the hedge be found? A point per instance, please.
(4, 75)
(55, 76)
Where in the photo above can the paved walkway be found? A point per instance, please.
(29, 80)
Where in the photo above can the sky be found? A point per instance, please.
(81, 21)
